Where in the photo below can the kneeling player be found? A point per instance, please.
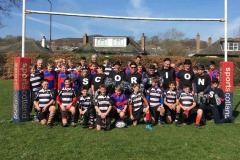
(155, 100)
(66, 99)
(188, 105)
(103, 107)
(136, 108)
(85, 107)
(43, 102)
(119, 102)
(171, 103)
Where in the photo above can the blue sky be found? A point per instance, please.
(38, 25)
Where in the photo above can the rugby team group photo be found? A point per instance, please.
(109, 95)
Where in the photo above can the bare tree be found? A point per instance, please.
(6, 7)
(237, 33)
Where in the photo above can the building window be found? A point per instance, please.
(232, 47)
(101, 42)
(118, 42)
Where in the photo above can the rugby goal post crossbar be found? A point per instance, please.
(24, 12)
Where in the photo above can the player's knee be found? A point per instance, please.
(52, 109)
(122, 115)
(72, 110)
(200, 112)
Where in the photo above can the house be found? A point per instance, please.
(217, 49)
(30, 47)
(112, 45)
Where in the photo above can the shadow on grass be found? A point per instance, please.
(235, 111)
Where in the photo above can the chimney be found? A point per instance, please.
(198, 43)
(44, 42)
(85, 39)
(209, 41)
(143, 42)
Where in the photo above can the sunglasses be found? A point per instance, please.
(133, 67)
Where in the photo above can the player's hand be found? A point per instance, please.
(195, 94)
(132, 118)
(124, 110)
(84, 111)
(38, 108)
(44, 109)
(103, 115)
(63, 108)
(69, 105)
(201, 93)
(118, 110)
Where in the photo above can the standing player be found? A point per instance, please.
(44, 104)
(50, 75)
(155, 100)
(86, 108)
(103, 107)
(71, 67)
(83, 61)
(185, 77)
(117, 75)
(216, 98)
(136, 108)
(107, 65)
(63, 74)
(212, 71)
(98, 79)
(35, 83)
(85, 78)
(188, 105)
(171, 103)
(134, 77)
(146, 80)
(66, 99)
(167, 73)
(201, 84)
(140, 69)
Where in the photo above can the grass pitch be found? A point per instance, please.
(32, 140)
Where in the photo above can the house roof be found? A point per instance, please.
(216, 49)
(132, 47)
(30, 47)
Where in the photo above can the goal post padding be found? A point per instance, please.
(226, 81)
(21, 87)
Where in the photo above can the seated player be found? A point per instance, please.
(155, 99)
(171, 103)
(43, 102)
(188, 105)
(66, 99)
(86, 108)
(136, 107)
(103, 107)
(216, 97)
(119, 103)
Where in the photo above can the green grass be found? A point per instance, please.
(31, 140)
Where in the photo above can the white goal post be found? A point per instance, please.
(24, 12)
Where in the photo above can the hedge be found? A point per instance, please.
(7, 63)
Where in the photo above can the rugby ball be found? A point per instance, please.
(120, 124)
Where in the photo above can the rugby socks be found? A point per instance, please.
(64, 120)
(73, 117)
(161, 117)
(51, 115)
(177, 117)
(198, 119)
(147, 117)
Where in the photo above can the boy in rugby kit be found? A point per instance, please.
(216, 98)
(136, 108)
(93, 68)
(107, 65)
(119, 103)
(50, 75)
(188, 105)
(71, 67)
(155, 100)
(85, 78)
(86, 108)
(44, 104)
(35, 83)
(171, 103)
(103, 107)
(66, 99)
(63, 74)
